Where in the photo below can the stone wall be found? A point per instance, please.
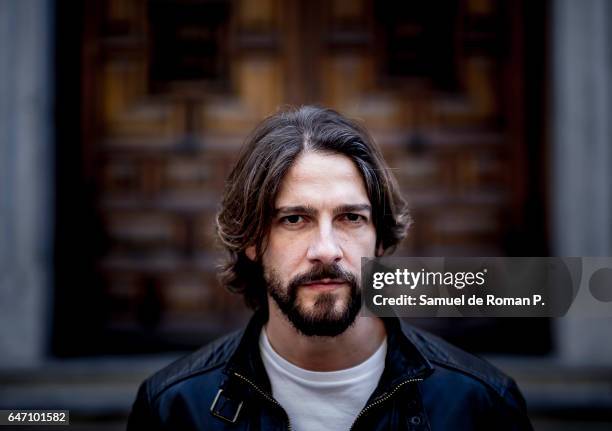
(26, 160)
(581, 150)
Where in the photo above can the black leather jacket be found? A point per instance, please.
(427, 384)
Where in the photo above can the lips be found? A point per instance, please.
(325, 283)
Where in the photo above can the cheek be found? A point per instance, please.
(362, 244)
(282, 255)
(287, 244)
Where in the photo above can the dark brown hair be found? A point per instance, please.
(251, 188)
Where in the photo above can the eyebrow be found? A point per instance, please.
(308, 210)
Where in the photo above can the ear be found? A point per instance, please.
(250, 252)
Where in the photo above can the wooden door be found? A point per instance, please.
(169, 89)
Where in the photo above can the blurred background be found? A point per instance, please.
(120, 119)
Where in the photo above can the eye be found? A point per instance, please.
(292, 219)
(354, 218)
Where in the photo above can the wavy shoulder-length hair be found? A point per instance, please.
(247, 207)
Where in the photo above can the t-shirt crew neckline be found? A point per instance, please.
(331, 377)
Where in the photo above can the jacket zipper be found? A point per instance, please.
(266, 396)
(382, 399)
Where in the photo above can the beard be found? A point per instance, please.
(324, 319)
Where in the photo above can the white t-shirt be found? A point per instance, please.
(316, 400)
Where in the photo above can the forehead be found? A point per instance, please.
(322, 179)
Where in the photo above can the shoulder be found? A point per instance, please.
(160, 399)
(465, 391)
(468, 371)
(207, 360)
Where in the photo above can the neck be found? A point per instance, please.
(346, 350)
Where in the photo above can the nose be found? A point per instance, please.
(324, 247)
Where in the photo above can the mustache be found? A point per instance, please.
(319, 272)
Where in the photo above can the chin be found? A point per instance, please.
(328, 316)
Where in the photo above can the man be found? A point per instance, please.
(309, 196)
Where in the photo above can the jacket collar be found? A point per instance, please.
(404, 361)
(246, 360)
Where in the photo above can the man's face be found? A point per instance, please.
(321, 228)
